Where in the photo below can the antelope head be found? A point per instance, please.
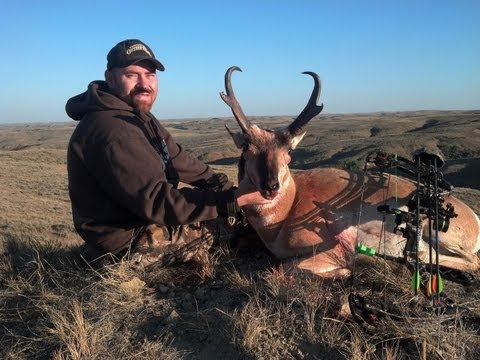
(265, 154)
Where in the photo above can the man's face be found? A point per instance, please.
(137, 84)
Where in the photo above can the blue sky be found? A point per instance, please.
(371, 55)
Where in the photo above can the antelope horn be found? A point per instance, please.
(232, 102)
(311, 109)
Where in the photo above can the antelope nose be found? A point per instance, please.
(271, 185)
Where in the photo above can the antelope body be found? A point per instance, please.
(312, 218)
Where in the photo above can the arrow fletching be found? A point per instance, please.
(435, 285)
(416, 281)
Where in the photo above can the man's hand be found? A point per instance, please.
(217, 182)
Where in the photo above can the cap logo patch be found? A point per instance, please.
(138, 47)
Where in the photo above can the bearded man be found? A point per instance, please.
(124, 168)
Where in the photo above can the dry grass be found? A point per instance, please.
(54, 306)
(238, 305)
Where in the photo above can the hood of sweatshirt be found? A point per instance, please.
(97, 98)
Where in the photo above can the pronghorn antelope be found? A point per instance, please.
(311, 218)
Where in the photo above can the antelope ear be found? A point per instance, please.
(296, 140)
(238, 137)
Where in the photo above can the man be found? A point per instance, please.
(124, 168)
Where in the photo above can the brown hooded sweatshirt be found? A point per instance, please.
(116, 173)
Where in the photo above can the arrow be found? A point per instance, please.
(437, 281)
(418, 233)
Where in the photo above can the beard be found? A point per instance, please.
(143, 105)
(134, 97)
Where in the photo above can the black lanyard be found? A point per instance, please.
(161, 148)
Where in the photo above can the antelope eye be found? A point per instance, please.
(290, 151)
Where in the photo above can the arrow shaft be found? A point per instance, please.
(437, 245)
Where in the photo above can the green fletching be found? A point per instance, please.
(439, 284)
(416, 281)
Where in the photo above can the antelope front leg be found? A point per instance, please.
(329, 264)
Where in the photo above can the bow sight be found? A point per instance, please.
(431, 188)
